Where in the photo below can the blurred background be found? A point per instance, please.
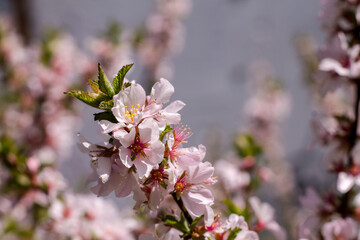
(211, 65)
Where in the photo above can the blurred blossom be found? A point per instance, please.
(38, 124)
(337, 95)
(89, 217)
(231, 175)
(340, 229)
(164, 37)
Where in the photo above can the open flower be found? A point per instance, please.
(265, 216)
(236, 221)
(141, 147)
(233, 222)
(348, 65)
(183, 156)
(157, 186)
(121, 181)
(190, 185)
(160, 95)
(230, 173)
(131, 106)
(340, 229)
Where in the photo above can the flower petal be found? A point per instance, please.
(174, 107)
(128, 139)
(124, 188)
(103, 168)
(125, 157)
(108, 126)
(142, 167)
(200, 173)
(162, 91)
(345, 182)
(329, 64)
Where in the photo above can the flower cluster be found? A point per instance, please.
(144, 155)
(37, 122)
(336, 85)
(243, 172)
(265, 111)
(87, 217)
(35, 77)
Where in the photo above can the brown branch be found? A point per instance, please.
(22, 12)
(354, 129)
(180, 203)
(344, 208)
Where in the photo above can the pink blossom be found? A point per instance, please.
(234, 221)
(340, 228)
(142, 148)
(346, 181)
(231, 175)
(314, 203)
(347, 67)
(190, 186)
(131, 106)
(265, 216)
(121, 180)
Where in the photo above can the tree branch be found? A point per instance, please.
(180, 203)
(354, 129)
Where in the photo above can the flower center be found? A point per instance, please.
(215, 225)
(157, 175)
(180, 186)
(132, 112)
(137, 148)
(345, 62)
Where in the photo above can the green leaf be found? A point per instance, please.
(113, 33)
(196, 220)
(107, 115)
(234, 233)
(106, 105)
(166, 130)
(246, 145)
(104, 84)
(181, 225)
(231, 206)
(118, 81)
(46, 46)
(91, 99)
(139, 36)
(94, 86)
(125, 85)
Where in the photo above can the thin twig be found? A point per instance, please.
(180, 203)
(344, 208)
(354, 129)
